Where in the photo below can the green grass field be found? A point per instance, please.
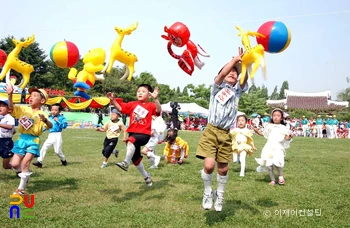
(84, 195)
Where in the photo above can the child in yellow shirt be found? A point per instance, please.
(176, 149)
(31, 122)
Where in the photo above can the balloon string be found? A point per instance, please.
(294, 16)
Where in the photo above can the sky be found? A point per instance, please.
(316, 59)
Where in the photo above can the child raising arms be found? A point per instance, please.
(278, 139)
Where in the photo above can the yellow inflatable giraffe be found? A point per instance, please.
(252, 55)
(14, 63)
(118, 54)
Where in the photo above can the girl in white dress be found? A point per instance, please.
(242, 142)
(278, 139)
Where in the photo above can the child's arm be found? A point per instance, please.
(9, 90)
(288, 137)
(110, 95)
(228, 67)
(156, 101)
(125, 136)
(257, 131)
(46, 121)
(6, 126)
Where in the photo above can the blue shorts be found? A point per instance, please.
(6, 145)
(27, 144)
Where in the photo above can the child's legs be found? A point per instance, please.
(135, 142)
(58, 146)
(109, 146)
(25, 163)
(6, 163)
(16, 161)
(271, 174)
(242, 157)
(47, 144)
(279, 170)
(222, 178)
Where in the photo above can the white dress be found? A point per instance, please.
(274, 150)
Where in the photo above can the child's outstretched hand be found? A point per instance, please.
(238, 58)
(110, 95)
(254, 148)
(9, 89)
(155, 93)
(43, 118)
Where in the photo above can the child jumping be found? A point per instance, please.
(7, 127)
(215, 144)
(278, 139)
(54, 138)
(176, 149)
(242, 142)
(112, 129)
(32, 120)
(139, 129)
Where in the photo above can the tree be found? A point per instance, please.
(264, 92)
(285, 85)
(253, 102)
(274, 95)
(344, 95)
(32, 55)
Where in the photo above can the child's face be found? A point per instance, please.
(55, 110)
(232, 76)
(35, 99)
(114, 116)
(4, 109)
(276, 117)
(241, 122)
(142, 94)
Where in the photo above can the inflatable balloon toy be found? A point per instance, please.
(252, 55)
(14, 63)
(118, 54)
(85, 79)
(179, 35)
(277, 36)
(64, 54)
(3, 58)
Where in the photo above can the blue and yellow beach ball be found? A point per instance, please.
(277, 36)
(64, 54)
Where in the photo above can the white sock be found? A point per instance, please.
(182, 154)
(105, 163)
(150, 154)
(222, 180)
(142, 170)
(242, 157)
(130, 150)
(24, 179)
(207, 179)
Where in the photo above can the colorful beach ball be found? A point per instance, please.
(64, 54)
(3, 58)
(277, 36)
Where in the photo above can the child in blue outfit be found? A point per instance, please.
(54, 139)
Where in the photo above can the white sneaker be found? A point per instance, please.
(241, 174)
(103, 165)
(153, 167)
(207, 202)
(156, 161)
(218, 201)
(148, 180)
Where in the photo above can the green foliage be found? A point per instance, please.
(284, 86)
(253, 102)
(344, 95)
(274, 95)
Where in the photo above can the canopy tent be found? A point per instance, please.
(188, 108)
(96, 102)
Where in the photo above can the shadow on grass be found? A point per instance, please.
(47, 184)
(247, 170)
(110, 191)
(229, 209)
(266, 202)
(144, 189)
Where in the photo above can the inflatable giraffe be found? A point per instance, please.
(14, 63)
(118, 54)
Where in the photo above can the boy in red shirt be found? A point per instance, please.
(139, 129)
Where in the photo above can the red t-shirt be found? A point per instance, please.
(140, 116)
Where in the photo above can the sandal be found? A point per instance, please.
(272, 183)
(281, 180)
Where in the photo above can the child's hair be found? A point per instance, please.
(60, 108)
(171, 139)
(244, 116)
(150, 89)
(282, 118)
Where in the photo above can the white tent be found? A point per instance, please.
(191, 108)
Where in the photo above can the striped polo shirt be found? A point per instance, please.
(223, 105)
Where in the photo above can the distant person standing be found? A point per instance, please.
(335, 126)
(23, 96)
(100, 117)
(304, 123)
(319, 123)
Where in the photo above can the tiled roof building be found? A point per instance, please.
(320, 101)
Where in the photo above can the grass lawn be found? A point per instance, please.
(84, 195)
